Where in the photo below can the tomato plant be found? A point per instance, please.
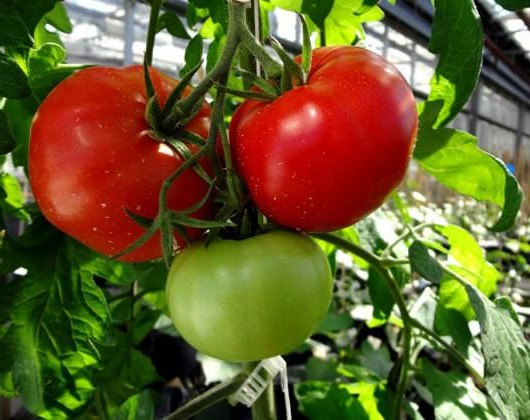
(420, 322)
(92, 158)
(325, 154)
(264, 302)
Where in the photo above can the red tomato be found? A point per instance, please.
(91, 157)
(324, 155)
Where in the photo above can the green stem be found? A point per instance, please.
(236, 21)
(264, 408)
(271, 67)
(375, 262)
(207, 399)
(162, 199)
(151, 31)
(410, 232)
(451, 350)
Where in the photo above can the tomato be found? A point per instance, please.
(323, 155)
(91, 158)
(250, 299)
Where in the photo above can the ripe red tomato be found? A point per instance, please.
(91, 157)
(323, 155)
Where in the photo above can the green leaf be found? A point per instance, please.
(344, 22)
(58, 18)
(20, 115)
(14, 31)
(454, 159)
(193, 55)
(380, 295)
(375, 359)
(173, 24)
(454, 395)
(457, 38)
(138, 407)
(58, 316)
(506, 354)
(514, 4)
(424, 264)
(452, 323)
(216, 8)
(473, 267)
(321, 370)
(335, 321)
(13, 83)
(324, 401)
(33, 11)
(306, 47)
(14, 201)
(214, 50)
(7, 141)
(317, 10)
(126, 373)
(45, 69)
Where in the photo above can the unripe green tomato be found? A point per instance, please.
(249, 299)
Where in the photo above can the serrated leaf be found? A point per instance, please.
(172, 23)
(506, 354)
(127, 371)
(14, 31)
(324, 400)
(138, 407)
(454, 159)
(452, 323)
(45, 69)
(472, 266)
(13, 83)
(454, 394)
(58, 18)
(344, 22)
(58, 316)
(193, 55)
(424, 264)
(7, 140)
(457, 38)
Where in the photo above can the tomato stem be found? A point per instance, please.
(208, 398)
(432, 336)
(265, 407)
(238, 35)
(151, 31)
(378, 265)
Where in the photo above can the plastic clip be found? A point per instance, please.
(259, 378)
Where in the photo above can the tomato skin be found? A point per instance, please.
(324, 155)
(250, 299)
(91, 157)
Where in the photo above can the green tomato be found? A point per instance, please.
(250, 299)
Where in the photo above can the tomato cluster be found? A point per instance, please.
(316, 159)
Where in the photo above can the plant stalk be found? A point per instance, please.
(151, 31)
(376, 262)
(207, 399)
(265, 408)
